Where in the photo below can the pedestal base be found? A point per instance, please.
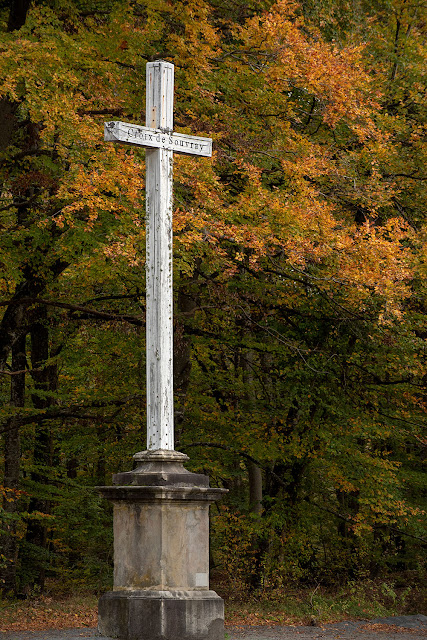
(161, 554)
(161, 615)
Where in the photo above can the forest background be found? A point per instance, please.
(299, 272)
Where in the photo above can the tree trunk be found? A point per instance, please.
(18, 14)
(12, 463)
(45, 379)
(254, 472)
(101, 470)
(255, 487)
(181, 357)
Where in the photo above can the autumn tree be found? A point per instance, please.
(299, 263)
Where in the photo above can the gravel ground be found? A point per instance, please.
(399, 628)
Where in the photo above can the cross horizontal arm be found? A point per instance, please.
(124, 133)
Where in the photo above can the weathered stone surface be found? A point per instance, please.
(161, 615)
(160, 468)
(161, 554)
(161, 545)
(153, 493)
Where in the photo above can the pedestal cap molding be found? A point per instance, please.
(160, 468)
(160, 455)
(135, 493)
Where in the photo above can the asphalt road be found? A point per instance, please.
(399, 628)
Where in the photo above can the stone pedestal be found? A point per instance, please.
(161, 554)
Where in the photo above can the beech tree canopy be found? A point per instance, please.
(299, 270)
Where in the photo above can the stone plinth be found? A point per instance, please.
(161, 554)
(156, 615)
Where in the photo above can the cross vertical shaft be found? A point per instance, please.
(161, 143)
(159, 301)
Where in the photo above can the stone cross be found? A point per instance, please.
(161, 143)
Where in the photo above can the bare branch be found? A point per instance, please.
(72, 411)
(75, 307)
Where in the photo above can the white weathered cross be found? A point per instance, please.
(161, 142)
